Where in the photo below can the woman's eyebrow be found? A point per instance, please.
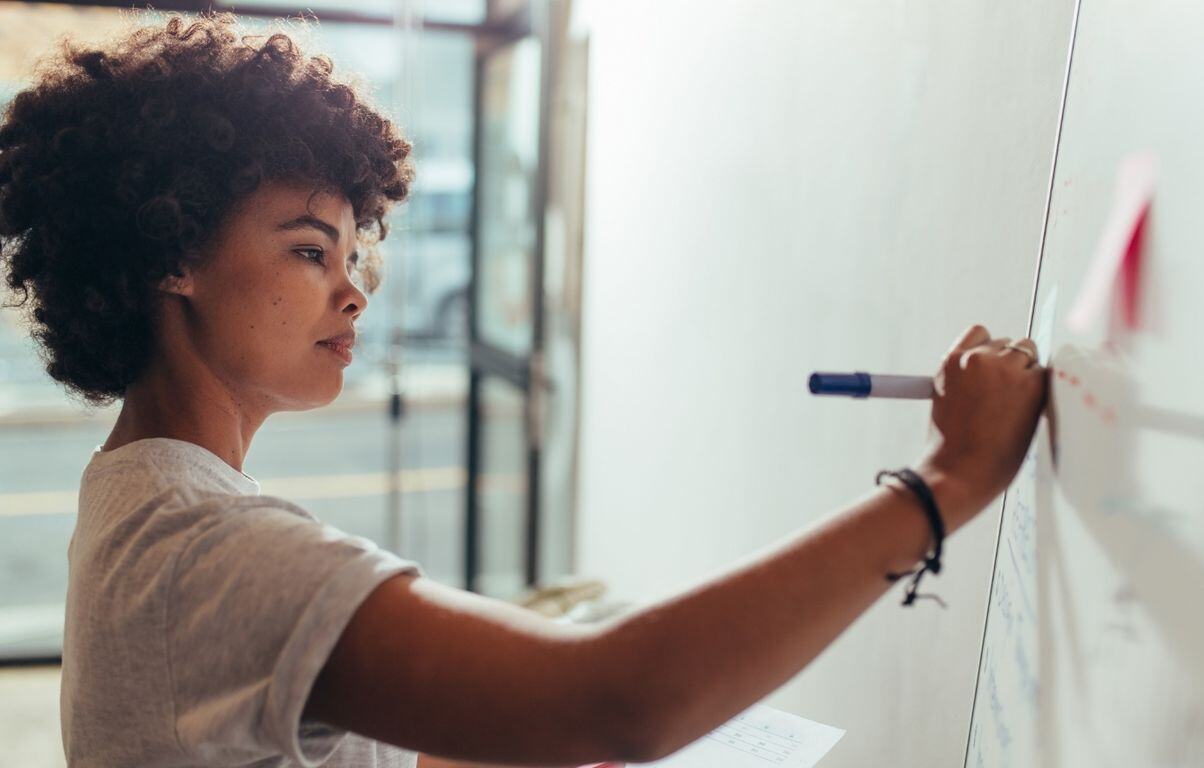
(311, 222)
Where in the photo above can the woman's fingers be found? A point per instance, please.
(1029, 354)
(995, 346)
(974, 335)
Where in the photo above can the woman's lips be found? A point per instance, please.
(340, 348)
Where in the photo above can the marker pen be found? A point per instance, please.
(871, 385)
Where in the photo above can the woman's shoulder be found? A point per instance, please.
(159, 463)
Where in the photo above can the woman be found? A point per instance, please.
(188, 217)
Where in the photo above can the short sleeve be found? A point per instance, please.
(257, 601)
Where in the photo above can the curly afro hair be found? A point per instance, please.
(120, 163)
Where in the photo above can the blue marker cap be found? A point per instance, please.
(851, 384)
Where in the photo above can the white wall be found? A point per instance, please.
(775, 188)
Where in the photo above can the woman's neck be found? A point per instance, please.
(186, 405)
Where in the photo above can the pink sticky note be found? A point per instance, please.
(1118, 253)
(1130, 275)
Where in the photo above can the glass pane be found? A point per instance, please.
(44, 438)
(434, 247)
(454, 11)
(40, 465)
(502, 490)
(509, 166)
(337, 461)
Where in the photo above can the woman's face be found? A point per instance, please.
(274, 289)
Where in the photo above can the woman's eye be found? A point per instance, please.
(313, 254)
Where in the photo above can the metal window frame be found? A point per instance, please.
(487, 361)
(490, 29)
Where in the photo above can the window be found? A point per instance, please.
(398, 483)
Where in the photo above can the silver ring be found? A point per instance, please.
(1028, 352)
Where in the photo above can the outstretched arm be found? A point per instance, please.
(454, 674)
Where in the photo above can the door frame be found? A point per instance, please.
(485, 360)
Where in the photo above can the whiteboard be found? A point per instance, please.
(819, 185)
(1093, 653)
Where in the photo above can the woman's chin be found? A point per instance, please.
(315, 396)
(330, 396)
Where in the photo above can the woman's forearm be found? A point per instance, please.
(699, 658)
(430, 761)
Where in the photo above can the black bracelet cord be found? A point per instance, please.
(933, 561)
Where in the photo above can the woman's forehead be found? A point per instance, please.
(275, 202)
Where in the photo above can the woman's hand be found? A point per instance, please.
(987, 400)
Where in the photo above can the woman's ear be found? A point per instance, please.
(179, 284)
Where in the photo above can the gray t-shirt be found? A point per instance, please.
(199, 614)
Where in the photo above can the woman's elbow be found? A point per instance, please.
(628, 716)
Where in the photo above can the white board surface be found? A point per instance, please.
(801, 186)
(1094, 646)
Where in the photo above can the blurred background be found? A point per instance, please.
(452, 443)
